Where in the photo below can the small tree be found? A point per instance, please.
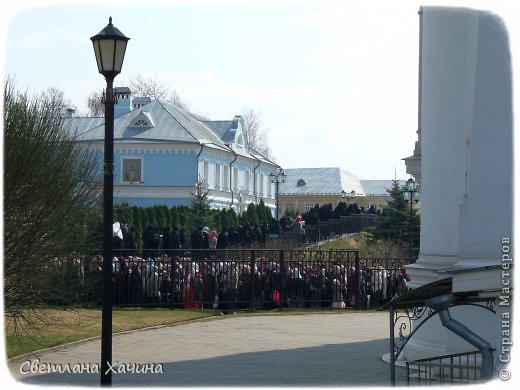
(395, 225)
(159, 216)
(151, 216)
(167, 216)
(174, 216)
(200, 205)
(143, 217)
(252, 216)
(224, 219)
(233, 217)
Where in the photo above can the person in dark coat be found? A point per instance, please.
(223, 239)
(165, 241)
(175, 242)
(196, 238)
(210, 288)
(129, 242)
(148, 241)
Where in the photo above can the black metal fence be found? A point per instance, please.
(312, 234)
(231, 280)
(460, 368)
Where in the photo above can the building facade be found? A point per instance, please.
(161, 151)
(305, 187)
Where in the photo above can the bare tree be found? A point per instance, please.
(51, 205)
(140, 86)
(95, 104)
(150, 87)
(256, 134)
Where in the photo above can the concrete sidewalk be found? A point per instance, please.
(294, 350)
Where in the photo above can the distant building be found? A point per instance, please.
(160, 151)
(305, 187)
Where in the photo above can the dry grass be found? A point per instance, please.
(55, 327)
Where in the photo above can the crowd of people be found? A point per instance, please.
(191, 283)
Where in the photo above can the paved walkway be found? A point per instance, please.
(295, 350)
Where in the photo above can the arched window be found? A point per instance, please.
(141, 123)
(240, 140)
(300, 182)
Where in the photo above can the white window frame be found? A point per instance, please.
(235, 179)
(218, 181)
(309, 206)
(226, 178)
(206, 172)
(247, 180)
(261, 186)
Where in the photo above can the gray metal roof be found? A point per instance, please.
(171, 124)
(78, 125)
(320, 181)
(378, 187)
(219, 127)
(226, 130)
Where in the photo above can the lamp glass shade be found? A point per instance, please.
(109, 48)
(411, 185)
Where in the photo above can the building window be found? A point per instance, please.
(261, 184)
(226, 177)
(247, 180)
(269, 189)
(289, 208)
(308, 206)
(141, 123)
(132, 170)
(217, 177)
(235, 179)
(206, 173)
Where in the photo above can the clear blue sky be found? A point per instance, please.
(335, 82)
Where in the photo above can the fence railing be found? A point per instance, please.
(460, 368)
(312, 234)
(237, 279)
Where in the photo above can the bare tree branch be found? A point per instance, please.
(256, 134)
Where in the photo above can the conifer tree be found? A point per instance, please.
(200, 205)
(395, 225)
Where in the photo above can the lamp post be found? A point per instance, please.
(277, 179)
(411, 193)
(109, 48)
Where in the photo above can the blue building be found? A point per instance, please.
(161, 151)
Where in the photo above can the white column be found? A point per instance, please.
(466, 166)
(448, 53)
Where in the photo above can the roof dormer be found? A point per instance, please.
(142, 120)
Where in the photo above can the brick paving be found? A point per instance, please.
(341, 349)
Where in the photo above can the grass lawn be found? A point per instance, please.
(57, 327)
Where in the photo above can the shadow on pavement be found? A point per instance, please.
(352, 364)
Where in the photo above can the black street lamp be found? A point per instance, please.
(277, 179)
(109, 47)
(411, 193)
